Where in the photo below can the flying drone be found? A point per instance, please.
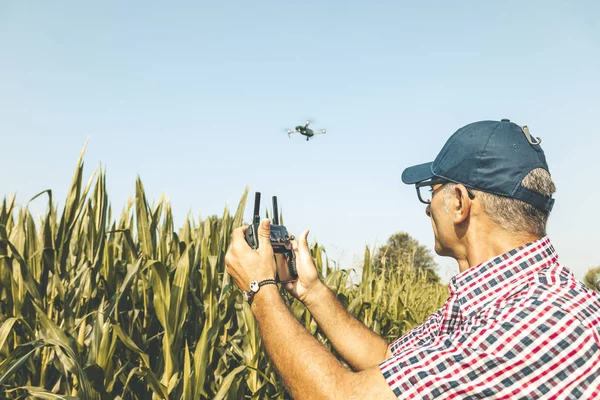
(305, 130)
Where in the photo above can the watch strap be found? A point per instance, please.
(255, 287)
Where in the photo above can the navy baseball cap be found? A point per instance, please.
(491, 156)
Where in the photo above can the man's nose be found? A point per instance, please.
(428, 210)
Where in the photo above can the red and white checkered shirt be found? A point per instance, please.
(519, 326)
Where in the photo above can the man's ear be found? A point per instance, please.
(463, 204)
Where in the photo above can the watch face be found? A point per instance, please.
(254, 286)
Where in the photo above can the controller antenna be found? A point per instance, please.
(275, 211)
(256, 217)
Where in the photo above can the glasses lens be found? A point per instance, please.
(425, 193)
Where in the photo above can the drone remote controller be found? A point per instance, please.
(280, 240)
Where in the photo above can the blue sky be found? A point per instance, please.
(195, 96)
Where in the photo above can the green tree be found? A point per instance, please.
(592, 279)
(402, 249)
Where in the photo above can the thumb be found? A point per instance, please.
(264, 233)
(303, 242)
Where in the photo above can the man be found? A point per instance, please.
(517, 324)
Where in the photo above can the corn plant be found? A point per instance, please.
(96, 307)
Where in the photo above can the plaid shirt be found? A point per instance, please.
(519, 326)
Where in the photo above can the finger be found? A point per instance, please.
(238, 238)
(279, 259)
(238, 233)
(264, 233)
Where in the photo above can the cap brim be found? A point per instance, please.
(417, 173)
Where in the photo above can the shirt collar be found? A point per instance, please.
(479, 285)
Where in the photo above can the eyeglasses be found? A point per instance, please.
(425, 190)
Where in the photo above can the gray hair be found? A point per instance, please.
(511, 214)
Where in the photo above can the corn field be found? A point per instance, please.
(96, 307)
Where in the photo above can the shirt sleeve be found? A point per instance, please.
(524, 356)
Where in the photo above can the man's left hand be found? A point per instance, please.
(245, 264)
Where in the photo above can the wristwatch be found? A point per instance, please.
(255, 287)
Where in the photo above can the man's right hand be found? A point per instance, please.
(308, 282)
